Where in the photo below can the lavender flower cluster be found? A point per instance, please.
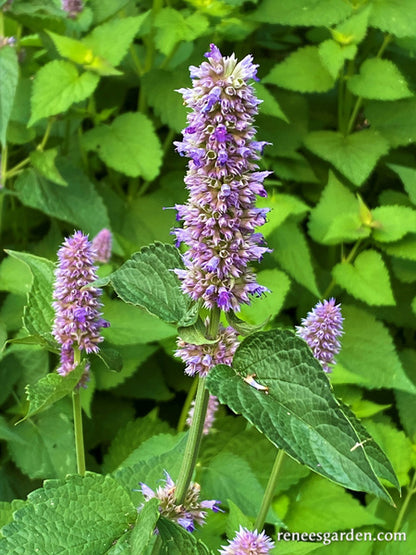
(191, 511)
(321, 329)
(247, 542)
(220, 217)
(77, 305)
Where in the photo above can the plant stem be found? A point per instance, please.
(77, 411)
(349, 258)
(411, 490)
(269, 492)
(197, 427)
(187, 405)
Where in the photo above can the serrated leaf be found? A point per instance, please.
(394, 17)
(379, 80)
(291, 250)
(124, 149)
(71, 204)
(301, 71)
(366, 279)
(354, 29)
(79, 515)
(143, 532)
(408, 178)
(112, 39)
(333, 55)
(46, 443)
(72, 49)
(57, 86)
(147, 280)
(39, 314)
(299, 414)
(9, 71)
(302, 12)
(50, 389)
(353, 155)
(391, 223)
(172, 27)
(281, 207)
(44, 162)
(195, 334)
(177, 541)
(369, 354)
(312, 514)
(395, 120)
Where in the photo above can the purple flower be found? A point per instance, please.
(101, 245)
(77, 307)
(248, 543)
(199, 359)
(321, 329)
(72, 7)
(191, 511)
(213, 405)
(220, 218)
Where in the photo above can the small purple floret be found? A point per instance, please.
(220, 218)
(248, 543)
(72, 7)
(321, 329)
(102, 244)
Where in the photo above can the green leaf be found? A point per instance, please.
(313, 514)
(57, 86)
(15, 276)
(367, 279)
(405, 400)
(222, 477)
(395, 120)
(143, 532)
(9, 71)
(393, 222)
(269, 105)
(354, 29)
(71, 204)
(39, 314)
(236, 519)
(379, 80)
(104, 9)
(302, 12)
(112, 39)
(291, 251)
(301, 71)
(122, 148)
(50, 389)
(260, 310)
(160, 88)
(72, 49)
(299, 414)
(172, 27)
(353, 155)
(408, 178)
(45, 162)
(195, 333)
(177, 541)
(78, 515)
(333, 55)
(45, 448)
(281, 207)
(394, 17)
(147, 280)
(131, 436)
(369, 354)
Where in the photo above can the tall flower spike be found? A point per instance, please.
(77, 307)
(321, 329)
(199, 359)
(191, 511)
(213, 405)
(102, 244)
(220, 217)
(248, 543)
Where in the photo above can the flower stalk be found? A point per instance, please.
(77, 412)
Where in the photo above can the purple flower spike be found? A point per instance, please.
(191, 511)
(77, 307)
(321, 329)
(102, 244)
(72, 7)
(213, 405)
(248, 543)
(199, 359)
(220, 218)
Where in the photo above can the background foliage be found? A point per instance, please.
(88, 113)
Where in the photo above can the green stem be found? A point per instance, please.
(193, 444)
(411, 490)
(187, 405)
(341, 95)
(349, 258)
(3, 167)
(45, 138)
(77, 410)
(156, 546)
(269, 492)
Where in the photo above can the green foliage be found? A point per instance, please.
(379, 80)
(9, 70)
(175, 540)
